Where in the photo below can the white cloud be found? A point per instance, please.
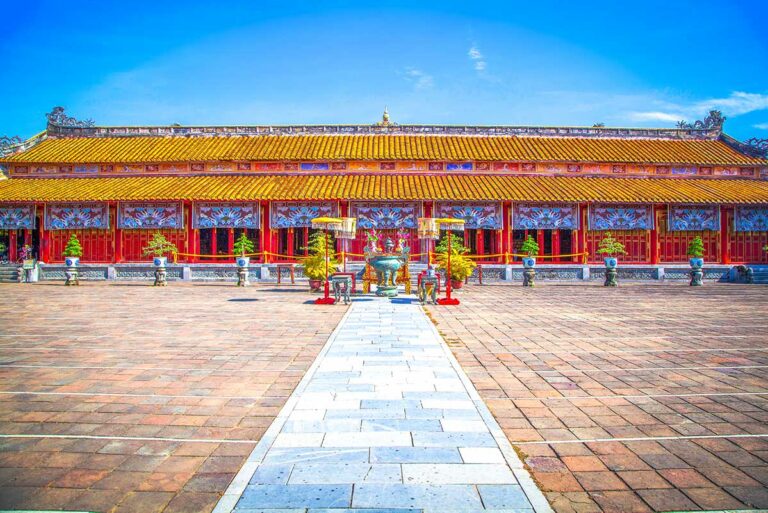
(654, 116)
(419, 79)
(761, 126)
(476, 56)
(736, 104)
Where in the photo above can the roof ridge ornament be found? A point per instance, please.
(57, 118)
(385, 121)
(713, 121)
(757, 147)
(8, 144)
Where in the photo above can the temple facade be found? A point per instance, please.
(653, 189)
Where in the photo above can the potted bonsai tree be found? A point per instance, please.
(314, 264)
(461, 265)
(72, 253)
(610, 248)
(696, 252)
(158, 247)
(530, 247)
(242, 246)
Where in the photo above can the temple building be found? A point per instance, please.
(654, 189)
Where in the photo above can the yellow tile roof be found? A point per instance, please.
(388, 187)
(128, 150)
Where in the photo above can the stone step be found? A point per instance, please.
(9, 274)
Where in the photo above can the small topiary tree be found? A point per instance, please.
(314, 264)
(696, 248)
(73, 247)
(159, 246)
(461, 265)
(243, 245)
(530, 247)
(610, 246)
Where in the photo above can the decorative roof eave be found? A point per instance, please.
(388, 188)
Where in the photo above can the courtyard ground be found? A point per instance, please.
(131, 398)
(640, 398)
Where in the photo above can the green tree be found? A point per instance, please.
(73, 247)
(696, 248)
(530, 247)
(159, 246)
(243, 245)
(314, 264)
(461, 265)
(610, 246)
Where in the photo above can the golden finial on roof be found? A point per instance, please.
(385, 119)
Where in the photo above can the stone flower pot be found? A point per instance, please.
(161, 275)
(529, 271)
(72, 274)
(315, 285)
(457, 284)
(610, 272)
(242, 270)
(697, 274)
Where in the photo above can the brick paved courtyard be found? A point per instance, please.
(569, 370)
(130, 370)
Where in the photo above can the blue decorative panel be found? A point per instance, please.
(73, 216)
(458, 166)
(750, 219)
(385, 215)
(684, 171)
(544, 216)
(150, 215)
(621, 217)
(299, 214)
(226, 215)
(87, 168)
(17, 217)
(314, 166)
(475, 215)
(694, 217)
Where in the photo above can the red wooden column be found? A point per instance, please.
(725, 239)
(191, 242)
(426, 244)
(267, 242)
(45, 242)
(584, 215)
(655, 236)
(118, 240)
(12, 253)
(506, 230)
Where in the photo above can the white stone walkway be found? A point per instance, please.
(385, 421)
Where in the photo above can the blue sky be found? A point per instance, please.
(228, 62)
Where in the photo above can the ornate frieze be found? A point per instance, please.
(299, 214)
(17, 217)
(694, 217)
(621, 217)
(750, 219)
(390, 215)
(226, 215)
(150, 215)
(545, 216)
(476, 215)
(73, 216)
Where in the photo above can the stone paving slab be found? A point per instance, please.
(384, 422)
(643, 398)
